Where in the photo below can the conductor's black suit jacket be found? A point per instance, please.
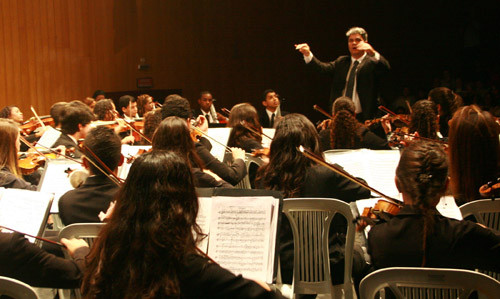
(371, 80)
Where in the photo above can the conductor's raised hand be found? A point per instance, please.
(364, 46)
(303, 48)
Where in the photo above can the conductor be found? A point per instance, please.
(359, 76)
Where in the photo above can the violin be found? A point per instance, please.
(32, 161)
(130, 159)
(32, 124)
(383, 209)
(261, 152)
(490, 189)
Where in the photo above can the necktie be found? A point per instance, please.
(208, 117)
(271, 124)
(350, 82)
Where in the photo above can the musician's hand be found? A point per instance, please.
(121, 125)
(364, 46)
(238, 153)
(39, 132)
(128, 140)
(221, 118)
(61, 149)
(324, 124)
(202, 123)
(73, 244)
(105, 216)
(386, 124)
(303, 48)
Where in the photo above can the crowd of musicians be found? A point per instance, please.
(148, 246)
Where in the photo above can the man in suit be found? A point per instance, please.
(360, 76)
(271, 114)
(83, 204)
(207, 109)
(75, 123)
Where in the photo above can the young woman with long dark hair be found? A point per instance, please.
(295, 175)
(148, 248)
(418, 235)
(246, 131)
(173, 134)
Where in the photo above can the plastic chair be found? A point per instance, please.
(409, 282)
(85, 231)
(16, 289)
(310, 220)
(486, 212)
(249, 160)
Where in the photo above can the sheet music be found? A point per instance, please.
(221, 135)
(56, 180)
(129, 151)
(204, 215)
(376, 167)
(49, 137)
(240, 235)
(24, 210)
(269, 132)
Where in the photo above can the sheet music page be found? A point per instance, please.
(49, 137)
(204, 213)
(269, 132)
(127, 152)
(24, 210)
(221, 135)
(240, 234)
(273, 227)
(56, 180)
(376, 167)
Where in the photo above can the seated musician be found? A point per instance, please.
(55, 112)
(447, 103)
(152, 120)
(104, 110)
(297, 176)
(15, 114)
(176, 105)
(424, 120)
(150, 241)
(127, 107)
(10, 173)
(83, 204)
(75, 123)
(474, 152)
(246, 131)
(27, 262)
(144, 104)
(418, 235)
(173, 135)
(345, 132)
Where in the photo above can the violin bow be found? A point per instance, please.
(211, 138)
(253, 129)
(107, 172)
(386, 110)
(320, 110)
(37, 117)
(59, 154)
(132, 128)
(343, 173)
(36, 237)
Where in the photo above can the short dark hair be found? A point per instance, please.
(175, 105)
(123, 102)
(264, 95)
(204, 92)
(72, 115)
(98, 93)
(106, 145)
(6, 111)
(56, 111)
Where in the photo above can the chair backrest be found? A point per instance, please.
(85, 231)
(16, 289)
(409, 282)
(486, 212)
(310, 220)
(249, 160)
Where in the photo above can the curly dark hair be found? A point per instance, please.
(151, 231)
(103, 109)
(421, 174)
(287, 167)
(344, 128)
(424, 119)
